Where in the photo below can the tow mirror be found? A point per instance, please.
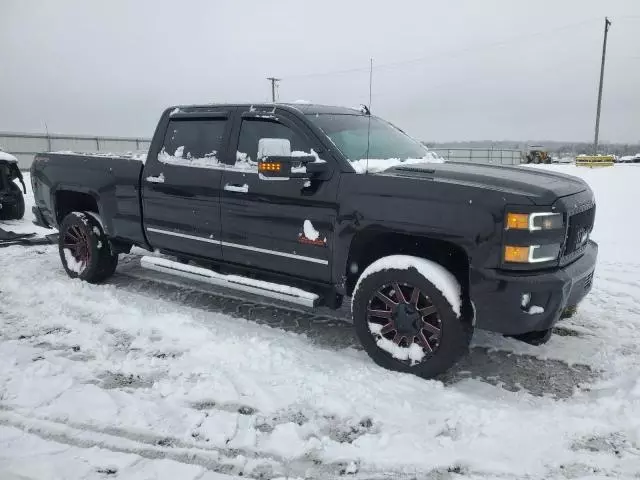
(275, 162)
(274, 147)
(279, 167)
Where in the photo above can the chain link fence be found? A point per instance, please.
(24, 146)
(481, 155)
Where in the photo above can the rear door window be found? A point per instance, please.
(193, 142)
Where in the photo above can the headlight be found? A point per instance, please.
(534, 221)
(531, 254)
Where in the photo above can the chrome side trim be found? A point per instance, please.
(275, 252)
(241, 247)
(184, 235)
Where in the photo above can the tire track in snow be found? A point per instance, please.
(228, 461)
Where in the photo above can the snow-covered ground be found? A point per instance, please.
(139, 379)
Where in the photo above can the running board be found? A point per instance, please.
(235, 282)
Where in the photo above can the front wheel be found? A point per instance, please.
(84, 248)
(404, 320)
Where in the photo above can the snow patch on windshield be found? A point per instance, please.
(373, 165)
(441, 278)
(210, 160)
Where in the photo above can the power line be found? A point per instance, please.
(447, 54)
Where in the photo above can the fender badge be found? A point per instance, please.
(310, 236)
(320, 242)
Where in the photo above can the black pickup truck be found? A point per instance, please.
(311, 204)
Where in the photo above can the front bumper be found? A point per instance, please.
(497, 295)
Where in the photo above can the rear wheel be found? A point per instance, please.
(84, 248)
(405, 323)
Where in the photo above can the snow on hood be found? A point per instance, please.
(374, 165)
(7, 156)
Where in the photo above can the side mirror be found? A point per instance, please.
(277, 162)
(274, 147)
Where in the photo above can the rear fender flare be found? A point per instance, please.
(62, 187)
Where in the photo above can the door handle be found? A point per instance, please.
(158, 179)
(230, 187)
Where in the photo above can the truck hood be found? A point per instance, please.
(543, 187)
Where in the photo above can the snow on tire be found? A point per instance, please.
(84, 249)
(407, 315)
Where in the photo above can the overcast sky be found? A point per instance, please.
(446, 70)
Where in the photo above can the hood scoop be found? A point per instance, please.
(425, 169)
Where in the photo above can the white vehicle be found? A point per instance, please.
(630, 158)
(11, 197)
(7, 156)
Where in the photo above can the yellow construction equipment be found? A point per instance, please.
(594, 161)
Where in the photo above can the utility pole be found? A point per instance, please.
(274, 82)
(607, 24)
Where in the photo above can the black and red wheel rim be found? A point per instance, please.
(404, 315)
(77, 241)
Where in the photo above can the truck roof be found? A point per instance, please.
(7, 157)
(304, 108)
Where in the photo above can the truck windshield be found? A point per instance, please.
(388, 145)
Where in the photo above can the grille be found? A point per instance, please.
(580, 226)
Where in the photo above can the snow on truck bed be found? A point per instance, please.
(137, 156)
(108, 381)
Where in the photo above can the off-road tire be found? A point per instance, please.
(456, 332)
(99, 262)
(13, 212)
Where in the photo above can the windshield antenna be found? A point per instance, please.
(368, 112)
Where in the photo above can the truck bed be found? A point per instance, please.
(111, 180)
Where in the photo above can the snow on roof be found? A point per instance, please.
(7, 157)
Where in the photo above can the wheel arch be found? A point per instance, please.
(67, 199)
(371, 244)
